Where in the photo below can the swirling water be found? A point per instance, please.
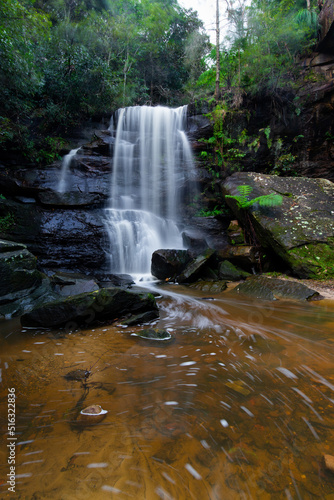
(238, 405)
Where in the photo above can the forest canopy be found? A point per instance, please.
(63, 61)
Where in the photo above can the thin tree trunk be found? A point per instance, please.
(217, 52)
(308, 2)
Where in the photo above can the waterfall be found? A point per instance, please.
(152, 162)
(66, 163)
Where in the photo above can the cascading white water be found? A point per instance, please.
(66, 163)
(152, 160)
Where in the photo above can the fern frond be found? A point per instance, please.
(245, 189)
(241, 200)
(269, 200)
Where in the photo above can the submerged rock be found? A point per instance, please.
(262, 287)
(301, 230)
(78, 375)
(154, 334)
(329, 462)
(102, 305)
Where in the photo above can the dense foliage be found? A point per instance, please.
(264, 43)
(64, 60)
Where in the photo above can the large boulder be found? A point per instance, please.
(66, 284)
(262, 287)
(301, 230)
(198, 268)
(102, 305)
(167, 264)
(21, 284)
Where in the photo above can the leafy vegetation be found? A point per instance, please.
(63, 61)
(267, 200)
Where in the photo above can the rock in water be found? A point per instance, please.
(329, 462)
(166, 264)
(102, 305)
(262, 287)
(91, 415)
(154, 334)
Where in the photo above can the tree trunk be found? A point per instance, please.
(217, 52)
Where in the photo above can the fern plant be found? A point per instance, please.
(267, 200)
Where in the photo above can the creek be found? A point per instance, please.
(239, 404)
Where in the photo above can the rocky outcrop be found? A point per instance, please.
(66, 284)
(229, 272)
(84, 309)
(73, 240)
(262, 287)
(326, 21)
(301, 230)
(167, 264)
(21, 284)
(65, 230)
(199, 267)
(86, 179)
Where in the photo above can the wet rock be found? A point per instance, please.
(238, 386)
(213, 230)
(72, 284)
(166, 264)
(102, 144)
(87, 182)
(78, 375)
(137, 319)
(91, 415)
(73, 240)
(21, 284)
(118, 280)
(229, 272)
(329, 462)
(242, 454)
(262, 287)
(154, 334)
(196, 268)
(194, 241)
(102, 305)
(301, 230)
(245, 256)
(209, 286)
(235, 234)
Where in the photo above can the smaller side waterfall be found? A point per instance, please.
(66, 163)
(151, 165)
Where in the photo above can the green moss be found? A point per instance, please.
(314, 260)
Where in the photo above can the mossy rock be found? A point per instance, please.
(262, 287)
(301, 230)
(102, 305)
(209, 286)
(229, 272)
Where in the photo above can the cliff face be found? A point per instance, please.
(326, 20)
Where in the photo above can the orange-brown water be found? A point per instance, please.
(239, 405)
